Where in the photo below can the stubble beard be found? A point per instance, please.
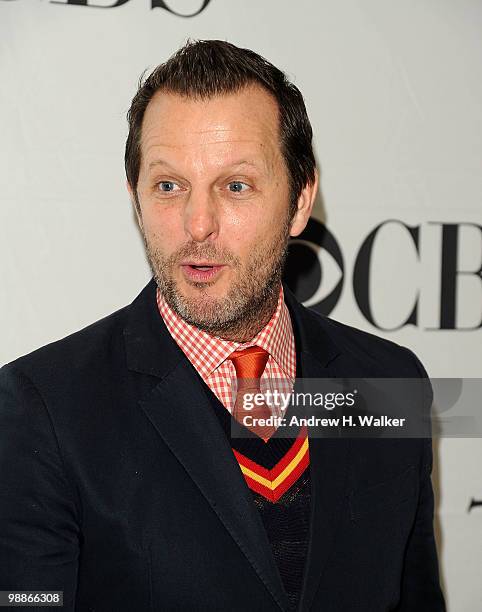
(250, 300)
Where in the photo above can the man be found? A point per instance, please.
(121, 484)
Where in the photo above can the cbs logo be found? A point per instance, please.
(315, 271)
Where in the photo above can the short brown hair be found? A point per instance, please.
(206, 68)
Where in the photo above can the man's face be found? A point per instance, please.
(214, 206)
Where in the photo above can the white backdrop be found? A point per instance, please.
(394, 91)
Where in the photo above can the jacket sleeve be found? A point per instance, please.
(39, 530)
(420, 588)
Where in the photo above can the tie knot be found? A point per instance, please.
(250, 362)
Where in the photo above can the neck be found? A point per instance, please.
(246, 328)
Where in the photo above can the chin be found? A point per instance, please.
(203, 291)
(205, 303)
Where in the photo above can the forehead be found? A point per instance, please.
(245, 122)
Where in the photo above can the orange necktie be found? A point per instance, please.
(249, 365)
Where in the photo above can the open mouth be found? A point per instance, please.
(201, 272)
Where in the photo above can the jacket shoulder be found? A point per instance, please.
(381, 356)
(88, 347)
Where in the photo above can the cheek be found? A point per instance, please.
(257, 218)
(249, 240)
(256, 225)
(163, 228)
(239, 233)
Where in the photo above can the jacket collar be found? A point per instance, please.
(314, 344)
(150, 348)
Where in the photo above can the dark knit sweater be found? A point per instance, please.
(286, 521)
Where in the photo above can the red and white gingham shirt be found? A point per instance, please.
(209, 354)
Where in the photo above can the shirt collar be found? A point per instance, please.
(207, 352)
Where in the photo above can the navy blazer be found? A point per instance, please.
(119, 487)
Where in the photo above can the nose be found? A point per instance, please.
(200, 216)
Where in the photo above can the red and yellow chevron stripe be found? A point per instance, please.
(273, 483)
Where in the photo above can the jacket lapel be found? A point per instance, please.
(319, 357)
(180, 411)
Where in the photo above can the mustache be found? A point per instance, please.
(203, 251)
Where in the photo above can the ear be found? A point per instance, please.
(306, 200)
(134, 203)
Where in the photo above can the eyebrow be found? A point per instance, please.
(237, 164)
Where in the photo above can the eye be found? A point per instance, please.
(168, 186)
(237, 186)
